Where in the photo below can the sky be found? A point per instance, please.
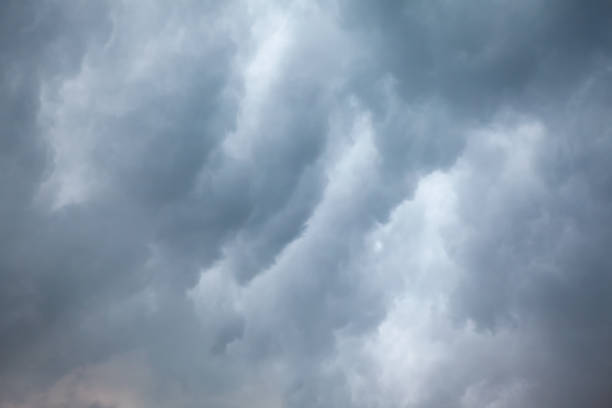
(305, 204)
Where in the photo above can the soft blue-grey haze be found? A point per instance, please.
(293, 203)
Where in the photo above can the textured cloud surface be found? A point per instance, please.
(305, 204)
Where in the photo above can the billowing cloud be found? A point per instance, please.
(305, 204)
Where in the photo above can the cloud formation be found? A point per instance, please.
(305, 204)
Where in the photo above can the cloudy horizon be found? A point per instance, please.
(291, 203)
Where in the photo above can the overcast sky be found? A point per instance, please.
(302, 204)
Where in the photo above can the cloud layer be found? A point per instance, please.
(305, 204)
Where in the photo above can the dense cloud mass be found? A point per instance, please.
(305, 203)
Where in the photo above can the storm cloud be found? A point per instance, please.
(305, 204)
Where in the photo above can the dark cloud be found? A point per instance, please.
(289, 204)
(483, 54)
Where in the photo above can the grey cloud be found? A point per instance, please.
(479, 55)
(539, 254)
(39, 42)
(215, 188)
